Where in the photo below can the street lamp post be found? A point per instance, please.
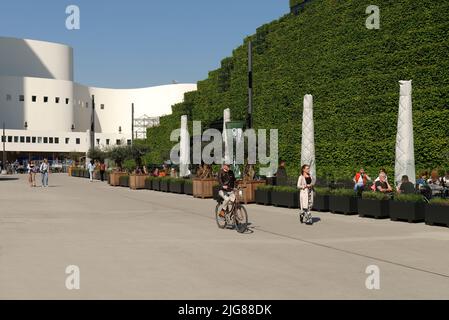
(4, 146)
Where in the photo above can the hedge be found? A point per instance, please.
(353, 74)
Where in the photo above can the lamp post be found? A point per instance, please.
(92, 125)
(4, 150)
(249, 120)
(132, 123)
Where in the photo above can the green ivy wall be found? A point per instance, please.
(353, 74)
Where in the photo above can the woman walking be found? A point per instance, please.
(305, 185)
(44, 169)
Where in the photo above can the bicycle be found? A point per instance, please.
(236, 216)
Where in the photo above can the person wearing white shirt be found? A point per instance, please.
(91, 169)
(44, 168)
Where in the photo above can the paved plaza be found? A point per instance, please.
(152, 245)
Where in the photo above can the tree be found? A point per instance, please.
(97, 154)
(118, 154)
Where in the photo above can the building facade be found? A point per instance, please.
(46, 113)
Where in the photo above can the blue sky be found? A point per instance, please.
(139, 43)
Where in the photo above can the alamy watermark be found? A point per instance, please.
(73, 21)
(373, 280)
(251, 147)
(73, 280)
(373, 20)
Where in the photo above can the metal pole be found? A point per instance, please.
(249, 121)
(4, 150)
(132, 123)
(92, 125)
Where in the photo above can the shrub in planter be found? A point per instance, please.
(149, 183)
(177, 185)
(157, 184)
(407, 207)
(165, 184)
(285, 197)
(343, 201)
(124, 181)
(437, 212)
(188, 187)
(374, 204)
(321, 200)
(263, 194)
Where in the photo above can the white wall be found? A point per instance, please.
(32, 58)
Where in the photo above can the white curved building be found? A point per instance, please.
(46, 114)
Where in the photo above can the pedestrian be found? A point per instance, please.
(30, 173)
(91, 169)
(281, 174)
(102, 170)
(306, 184)
(44, 169)
(34, 170)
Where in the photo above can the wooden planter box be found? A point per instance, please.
(321, 203)
(177, 186)
(124, 181)
(407, 211)
(164, 185)
(263, 197)
(437, 215)
(115, 178)
(188, 189)
(148, 184)
(343, 204)
(203, 188)
(249, 191)
(378, 209)
(285, 199)
(137, 181)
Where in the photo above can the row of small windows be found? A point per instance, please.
(46, 100)
(51, 140)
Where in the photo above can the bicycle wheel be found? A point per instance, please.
(241, 219)
(221, 222)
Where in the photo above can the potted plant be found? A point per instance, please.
(164, 184)
(149, 183)
(321, 200)
(407, 207)
(118, 154)
(343, 201)
(263, 194)
(124, 181)
(204, 183)
(188, 187)
(177, 186)
(374, 204)
(282, 196)
(156, 183)
(437, 212)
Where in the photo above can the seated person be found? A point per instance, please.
(435, 184)
(382, 185)
(360, 181)
(406, 187)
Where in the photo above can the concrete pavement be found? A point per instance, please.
(152, 245)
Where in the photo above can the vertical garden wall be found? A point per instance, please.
(353, 74)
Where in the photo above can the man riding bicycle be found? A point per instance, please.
(226, 181)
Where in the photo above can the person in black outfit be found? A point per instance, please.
(406, 186)
(226, 181)
(281, 175)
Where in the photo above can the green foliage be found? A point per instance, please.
(284, 189)
(129, 165)
(188, 182)
(408, 198)
(118, 154)
(264, 187)
(343, 192)
(353, 74)
(96, 154)
(295, 2)
(370, 195)
(322, 191)
(440, 202)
